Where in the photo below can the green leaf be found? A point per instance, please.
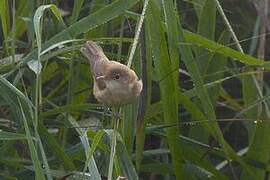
(11, 136)
(168, 86)
(206, 28)
(55, 147)
(97, 138)
(100, 17)
(224, 50)
(33, 151)
(203, 95)
(76, 10)
(5, 18)
(36, 67)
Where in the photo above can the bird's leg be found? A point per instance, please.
(117, 113)
(106, 113)
(107, 110)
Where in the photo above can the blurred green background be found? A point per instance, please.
(203, 113)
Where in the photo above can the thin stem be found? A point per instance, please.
(13, 34)
(259, 88)
(121, 36)
(227, 23)
(113, 142)
(69, 99)
(135, 42)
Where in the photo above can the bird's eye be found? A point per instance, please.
(117, 76)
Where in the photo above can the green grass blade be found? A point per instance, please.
(127, 126)
(145, 98)
(217, 64)
(168, 94)
(5, 18)
(171, 21)
(206, 28)
(221, 49)
(259, 143)
(92, 167)
(55, 147)
(97, 138)
(249, 89)
(76, 10)
(38, 21)
(124, 160)
(4, 136)
(204, 97)
(33, 151)
(92, 21)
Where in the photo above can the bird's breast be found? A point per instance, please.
(115, 93)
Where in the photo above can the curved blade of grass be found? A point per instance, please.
(125, 163)
(37, 20)
(93, 170)
(7, 89)
(168, 87)
(198, 115)
(101, 29)
(190, 149)
(216, 63)
(70, 109)
(11, 136)
(100, 17)
(60, 44)
(122, 162)
(257, 133)
(20, 103)
(259, 143)
(92, 167)
(38, 169)
(55, 147)
(156, 108)
(221, 49)
(196, 172)
(97, 138)
(203, 95)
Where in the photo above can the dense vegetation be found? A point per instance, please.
(203, 112)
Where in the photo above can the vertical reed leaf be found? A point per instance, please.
(33, 151)
(167, 84)
(5, 18)
(205, 101)
(206, 28)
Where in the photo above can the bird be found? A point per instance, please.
(115, 84)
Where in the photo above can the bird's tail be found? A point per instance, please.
(93, 52)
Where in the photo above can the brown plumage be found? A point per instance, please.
(115, 84)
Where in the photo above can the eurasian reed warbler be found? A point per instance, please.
(115, 84)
